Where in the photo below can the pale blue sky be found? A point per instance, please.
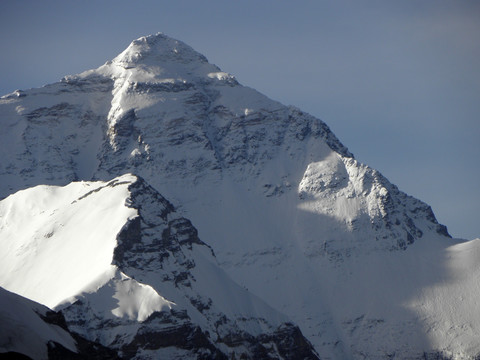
(397, 81)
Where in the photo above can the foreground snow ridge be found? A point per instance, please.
(268, 200)
(107, 235)
(59, 242)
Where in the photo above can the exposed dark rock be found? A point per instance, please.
(124, 126)
(51, 113)
(186, 336)
(286, 342)
(12, 355)
(145, 87)
(86, 349)
(151, 237)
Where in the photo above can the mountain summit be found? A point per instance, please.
(160, 51)
(362, 268)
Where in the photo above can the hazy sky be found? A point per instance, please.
(397, 81)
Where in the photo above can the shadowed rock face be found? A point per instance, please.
(160, 248)
(157, 233)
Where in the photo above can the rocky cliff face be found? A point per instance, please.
(288, 211)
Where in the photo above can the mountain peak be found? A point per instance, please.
(290, 214)
(158, 49)
(156, 59)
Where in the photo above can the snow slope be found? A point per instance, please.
(363, 268)
(54, 234)
(23, 330)
(29, 330)
(122, 267)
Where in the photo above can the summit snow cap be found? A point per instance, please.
(158, 59)
(158, 48)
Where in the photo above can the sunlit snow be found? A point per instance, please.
(56, 242)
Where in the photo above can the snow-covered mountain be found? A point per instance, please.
(126, 271)
(363, 269)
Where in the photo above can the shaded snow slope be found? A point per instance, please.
(289, 212)
(23, 330)
(123, 267)
(29, 330)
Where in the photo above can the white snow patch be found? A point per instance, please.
(56, 240)
(248, 112)
(220, 75)
(135, 152)
(137, 301)
(20, 110)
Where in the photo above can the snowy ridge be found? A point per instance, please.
(365, 270)
(362, 199)
(59, 225)
(141, 273)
